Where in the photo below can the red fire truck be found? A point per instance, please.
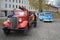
(21, 20)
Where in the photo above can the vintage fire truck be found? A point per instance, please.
(21, 20)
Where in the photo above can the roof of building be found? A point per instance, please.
(52, 6)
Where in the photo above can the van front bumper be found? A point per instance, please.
(47, 20)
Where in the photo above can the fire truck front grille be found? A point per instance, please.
(14, 21)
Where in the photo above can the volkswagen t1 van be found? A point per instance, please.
(46, 16)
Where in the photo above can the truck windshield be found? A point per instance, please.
(19, 13)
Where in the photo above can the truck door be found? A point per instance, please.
(31, 18)
(30, 21)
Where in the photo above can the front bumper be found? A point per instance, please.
(47, 20)
(15, 29)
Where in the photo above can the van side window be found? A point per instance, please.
(42, 14)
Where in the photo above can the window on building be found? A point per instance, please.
(9, 0)
(13, 6)
(16, 1)
(29, 7)
(25, 2)
(5, 0)
(19, 1)
(13, 0)
(22, 1)
(16, 6)
(5, 5)
(9, 5)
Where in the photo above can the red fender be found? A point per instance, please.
(24, 24)
(4, 24)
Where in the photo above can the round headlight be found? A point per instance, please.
(20, 19)
(8, 20)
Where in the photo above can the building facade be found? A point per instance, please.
(59, 9)
(8, 5)
(50, 8)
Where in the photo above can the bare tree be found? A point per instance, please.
(37, 4)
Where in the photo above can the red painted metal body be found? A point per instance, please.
(25, 20)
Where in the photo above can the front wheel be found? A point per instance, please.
(6, 31)
(26, 31)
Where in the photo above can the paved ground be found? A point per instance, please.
(44, 31)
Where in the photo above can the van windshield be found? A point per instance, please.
(48, 14)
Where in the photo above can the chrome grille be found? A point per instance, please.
(14, 21)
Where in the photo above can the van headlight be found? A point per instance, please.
(20, 19)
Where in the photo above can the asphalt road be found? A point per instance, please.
(44, 31)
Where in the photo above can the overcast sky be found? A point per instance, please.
(55, 2)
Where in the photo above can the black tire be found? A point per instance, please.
(6, 31)
(25, 32)
(40, 19)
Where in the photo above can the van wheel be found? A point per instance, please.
(41, 19)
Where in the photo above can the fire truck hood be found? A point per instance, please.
(20, 15)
